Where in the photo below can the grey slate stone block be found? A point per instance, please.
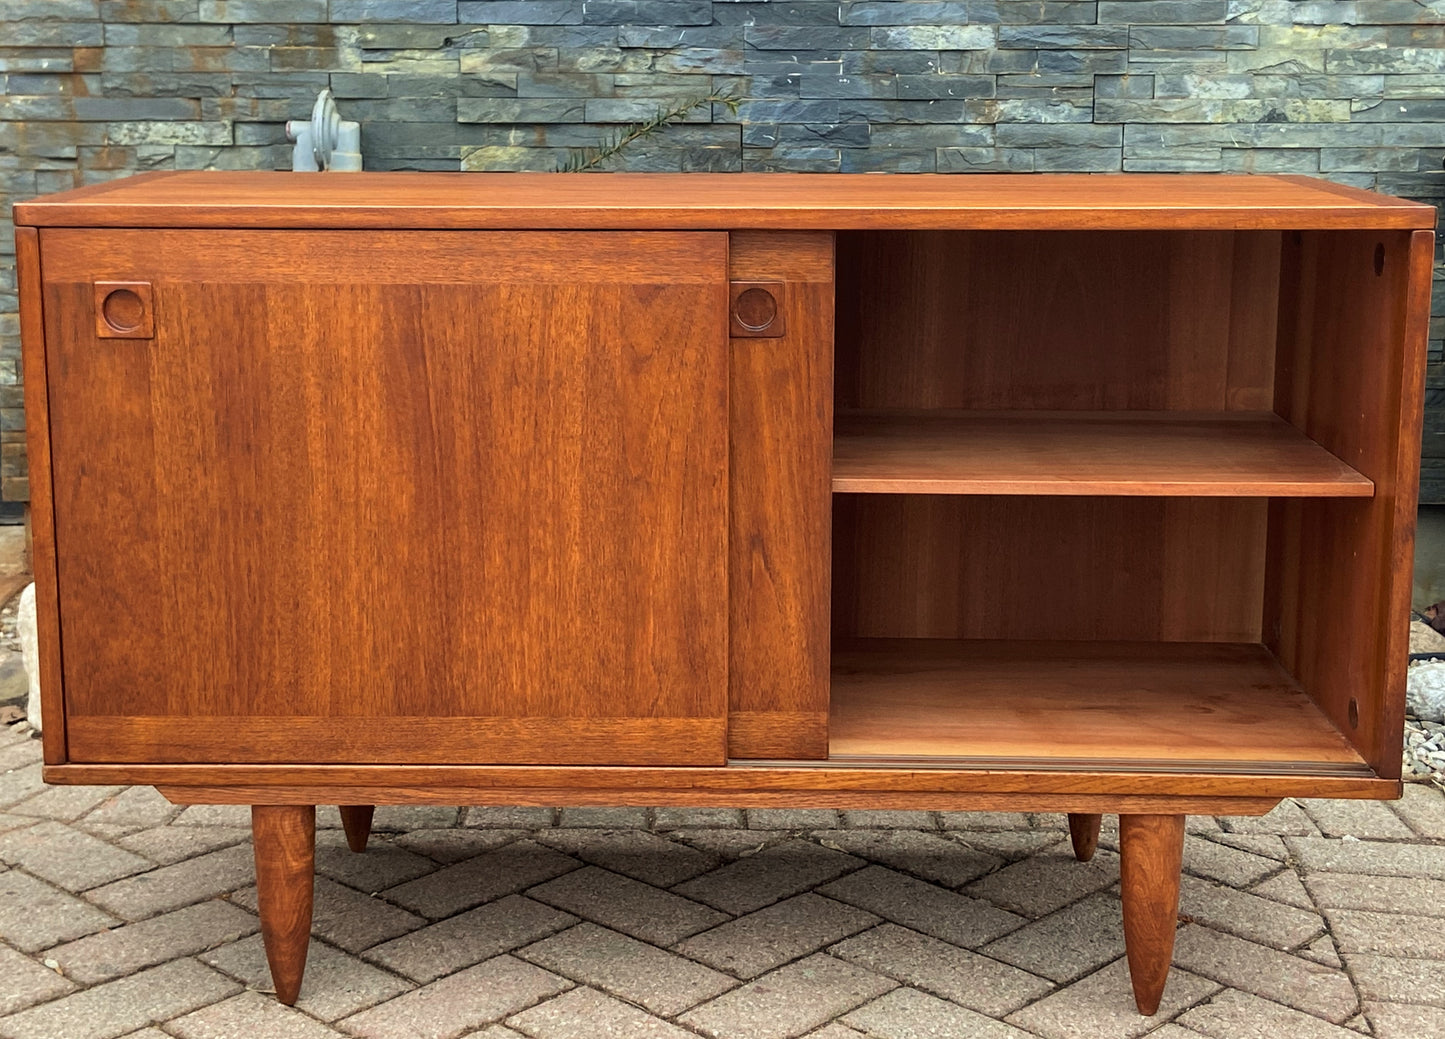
(259, 157)
(760, 135)
(1399, 110)
(47, 83)
(903, 112)
(290, 35)
(985, 160)
(1062, 37)
(933, 37)
(435, 11)
(945, 86)
(1049, 88)
(789, 111)
(647, 12)
(396, 109)
(262, 11)
(1194, 37)
(1029, 110)
(179, 35)
(1270, 160)
(838, 135)
(700, 59)
(279, 84)
(636, 110)
(521, 110)
(585, 40)
(105, 109)
(1203, 160)
(786, 159)
(156, 85)
(664, 37)
(778, 12)
(903, 12)
(805, 37)
(53, 34)
(1163, 12)
(1371, 159)
(1082, 63)
(358, 84)
(521, 12)
(562, 84)
(1078, 160)
(419, 36)
(819, 85)
(917, 63)
(47, 10)
(1025, 12)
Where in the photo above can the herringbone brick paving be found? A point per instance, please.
(122, 915)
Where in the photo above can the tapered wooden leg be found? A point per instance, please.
(357, 820)
(285, 841)
(1084, 830)
(1151, 848)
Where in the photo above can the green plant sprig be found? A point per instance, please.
(583, 159)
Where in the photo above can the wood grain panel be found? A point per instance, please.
(284, 840)
(42, 511)
(439, 740)
(1134, 453)
(1120, 701)
(399, 258)
(436, 482)
(1151, 848)
(356, 821)
(779, 735)
(1253, 321)
(822, 798)
(495, 784)
(767, 201)
(1057, 321)
(779, 502)
(1353, 326)
(1084, 834)
(1024, 567)
(403, 740)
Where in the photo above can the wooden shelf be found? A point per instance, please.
(1145, 453)
(1212, 706)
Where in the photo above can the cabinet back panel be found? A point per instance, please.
(1142, 320)
(374, 477)
(1021, 567)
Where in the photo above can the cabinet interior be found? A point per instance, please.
(1077, 475)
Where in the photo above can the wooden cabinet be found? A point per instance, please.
(1079, 494)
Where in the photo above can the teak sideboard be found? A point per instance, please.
(1061, 493)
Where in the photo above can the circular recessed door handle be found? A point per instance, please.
(124, 310)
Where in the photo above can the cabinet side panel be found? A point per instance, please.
(42, 512)
(1353, 319)
(780, 455)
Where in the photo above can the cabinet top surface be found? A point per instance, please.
(724, 201)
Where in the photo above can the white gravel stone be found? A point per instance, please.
(1425, 690)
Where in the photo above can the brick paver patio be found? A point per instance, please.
(121, 915)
